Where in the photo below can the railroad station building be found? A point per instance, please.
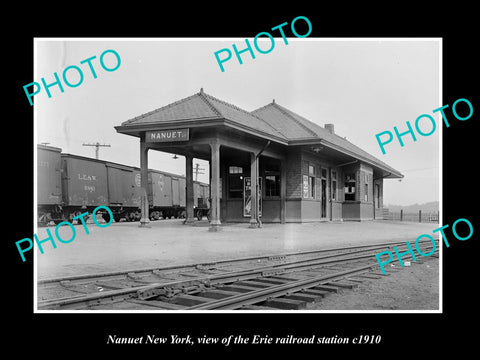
(303, 172)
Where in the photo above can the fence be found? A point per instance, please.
(420, 216)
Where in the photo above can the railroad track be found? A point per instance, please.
(286, 281)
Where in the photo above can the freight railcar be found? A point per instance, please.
(49, 185)
(88, 183)
(166, 196)
(201, 196)
(69, 185)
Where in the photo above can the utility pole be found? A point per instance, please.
(97, 146)
(198, 170)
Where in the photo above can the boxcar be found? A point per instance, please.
(49, 184)
(166, 194)
(69, 185)
(84, 184)
(124, 191)
(201, 194)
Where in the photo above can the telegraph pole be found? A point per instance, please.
(198, 170)
(97, 146)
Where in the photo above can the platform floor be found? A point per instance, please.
(124, 246)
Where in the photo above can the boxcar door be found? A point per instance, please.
(175, 192)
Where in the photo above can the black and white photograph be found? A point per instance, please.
(146, 187)
(264, 183)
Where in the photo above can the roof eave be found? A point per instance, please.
(135, 129)
(393, 174)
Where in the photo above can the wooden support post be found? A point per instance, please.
(144, 220)
(215, 186)
(189, 200)
(253, 190)
(283, 190)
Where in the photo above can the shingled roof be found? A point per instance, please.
(272, 121)
(297, 129)
(202, 107)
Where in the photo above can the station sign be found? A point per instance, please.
(169, 135)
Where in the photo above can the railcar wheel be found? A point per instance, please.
(106, 217)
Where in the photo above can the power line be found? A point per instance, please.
(198, 170)
(97, 146)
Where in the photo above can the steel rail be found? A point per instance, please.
(220, 262)
(208, 279)
(256, 296)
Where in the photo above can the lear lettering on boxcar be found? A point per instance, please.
(87, 177)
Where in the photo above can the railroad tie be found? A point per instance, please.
(238, 288)
(313, 291)
(253, 283)
(255, 307)
(285, 304)
(328, 288)
(190, 300)
(158, 304)
(270, 281)
(303, 296)
(217, 293)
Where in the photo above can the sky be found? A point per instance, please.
(362, 86)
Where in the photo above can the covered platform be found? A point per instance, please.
(268, 165)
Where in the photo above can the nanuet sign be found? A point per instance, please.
(167, 135)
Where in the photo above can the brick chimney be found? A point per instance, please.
(330, 128)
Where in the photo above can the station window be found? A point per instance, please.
(350, 184)
(235, 170)
(272, 177)
(377, 196)
(235, 182)
(334, 185)
(272, 185)
(366, 192)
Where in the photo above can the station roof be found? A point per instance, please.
(272, 122)
(202, 109)
(302, 131)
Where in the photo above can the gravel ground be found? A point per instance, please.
(411, 288)
(125, 246)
